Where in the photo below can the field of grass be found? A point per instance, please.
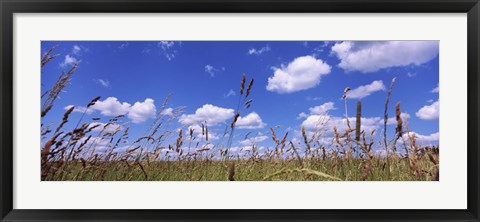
(250, 170)
(165, 155)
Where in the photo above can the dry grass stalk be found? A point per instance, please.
(179, 139)
(304, 135)
(65, 118)
(385, 120)
(399, 127)
(48, 56)
(358, 121)
(398, 117)
(62, 81)
(284, 140)
(366, 171)
(274, 135)
(249, 88)
(296, 154)
(232, 125)
(242, 83)
(231, 171)
(206, 133)
(94, 100)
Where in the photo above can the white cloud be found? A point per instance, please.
(168, 50)
(250, 121)
(98, 143)
(79, 109)
(366, 90)
(313, 121)
(210, 113)
(373, 56)
(253, 51)
(69, 60)
(103, 127)
(104, 82)
(322, 109)
(302, 115)
(393, 120)
(139, 112)
(197, 131)
(111, 107)
(422, 139)
(435, 90)
(212, 70)
(167, 112)
(326, 123)
(254, 140)
(142, 111)
(302, 73)
(76, 49)
(318, 110)
(429, 112)
(230, 93)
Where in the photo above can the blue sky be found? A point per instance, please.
(296, 83)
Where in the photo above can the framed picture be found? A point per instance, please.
(231, 110)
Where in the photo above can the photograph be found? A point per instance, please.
(303, 110)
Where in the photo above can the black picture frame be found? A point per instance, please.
(9, 7)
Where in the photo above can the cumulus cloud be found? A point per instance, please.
(167, 112)
(422, 139)
(111, 107)
(197, 131)
(366, 90)
(373, 56)
(253, 140)
(326, 123)
(79, 109)
(211, 114)
(393, 120)
(322, 109)
(141, 111)
(69, 60)
(98, 143)
(302, 73)
(253, 51)
(302, 115)
(318, 110)
(250, 121)
(429, 112)
(112, 127)
(315, 122)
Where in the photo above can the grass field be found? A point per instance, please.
(330, 169)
